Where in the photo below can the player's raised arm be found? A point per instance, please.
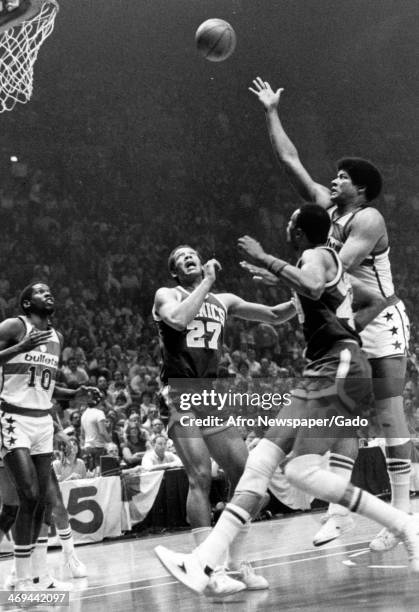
(285, 150)
(178, 314)
(252, 311)
(308, 280)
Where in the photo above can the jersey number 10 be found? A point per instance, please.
(45, 377)
(203, 334)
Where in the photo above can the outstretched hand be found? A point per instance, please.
(211, 268)
(265, 93)
(92, 392)
(251, 248)
(260, 275)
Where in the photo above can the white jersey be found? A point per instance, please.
(28, 379)
(375, 270)
(388, 334)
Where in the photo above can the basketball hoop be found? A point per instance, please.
(22, 32)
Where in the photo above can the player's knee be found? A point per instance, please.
(7, 517)
(200, 479)
(234, 472)
(301, 470)
(28, 495)
(260, 466)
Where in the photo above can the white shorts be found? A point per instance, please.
(388, 334)
(19, 431)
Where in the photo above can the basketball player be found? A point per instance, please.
(191, 323)
(359, 235)
(29, 355)
(337, 383)
(56, 508)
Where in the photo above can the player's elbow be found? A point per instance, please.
(314, 289)
(177, 323)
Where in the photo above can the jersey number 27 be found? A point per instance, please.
(203, 334)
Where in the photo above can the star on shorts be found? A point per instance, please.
(388, 316)
(394, 330)
(397, 345)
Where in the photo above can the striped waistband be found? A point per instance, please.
(32, 412)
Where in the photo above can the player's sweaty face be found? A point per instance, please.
(42, 298)
(187, 261)
(342, 187)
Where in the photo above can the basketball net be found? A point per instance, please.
(19, 46)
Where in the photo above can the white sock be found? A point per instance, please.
(66, 539)
(235, 553)
(23, 567)
(200, 534)
(305, 473)
(39, 558)
(342, 466)
(399, 475)
(212, 551)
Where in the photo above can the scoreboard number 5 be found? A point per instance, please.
(203, 334)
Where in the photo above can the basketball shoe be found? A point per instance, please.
(334, 525)
(187, 569)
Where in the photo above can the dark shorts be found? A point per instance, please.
(342, 374)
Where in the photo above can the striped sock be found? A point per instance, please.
(399, 475)
(212, 551)
(22, 553)
(39, 557)
(66, 539)
(305, 473)
(374, 508)
(342, 466)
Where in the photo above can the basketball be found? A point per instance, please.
(215, 40)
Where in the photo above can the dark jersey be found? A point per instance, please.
(195, 351)
(329, 319)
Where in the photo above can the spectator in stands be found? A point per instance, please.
(112, 450)
(94, 433)
(146, 404)
(103, 385)
(116, 434)
(153, 413)
(74, 350)
(70, 467)
(75, 424)
(74, 375)
(254, 366)
(136, 441)
(119, 395)
(159, 458)
(157, 429)
(139, 378)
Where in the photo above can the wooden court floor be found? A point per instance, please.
(343, 575)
